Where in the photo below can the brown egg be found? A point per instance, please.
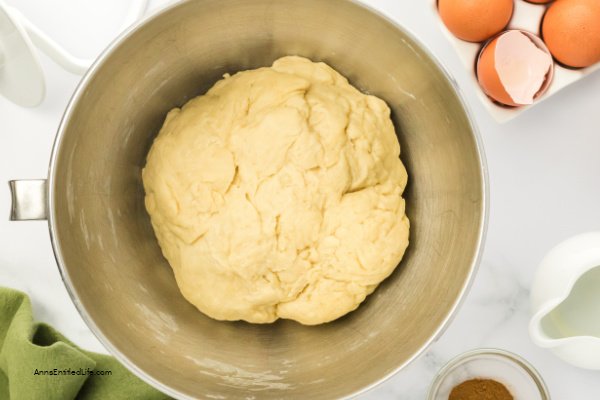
(514, 69)
(571, 30)
(539, 1)
(475, 20)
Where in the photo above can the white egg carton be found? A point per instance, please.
(527, 17)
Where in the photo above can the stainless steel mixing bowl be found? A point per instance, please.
(110, 260)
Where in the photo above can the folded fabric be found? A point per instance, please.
(37, 362)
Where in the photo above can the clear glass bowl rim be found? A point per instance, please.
(517, 360)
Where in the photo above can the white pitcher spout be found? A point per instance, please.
(537, 330)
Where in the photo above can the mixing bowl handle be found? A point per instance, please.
(28, 200)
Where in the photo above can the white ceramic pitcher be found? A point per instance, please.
(565, 299)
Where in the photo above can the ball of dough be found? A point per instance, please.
(278, 194)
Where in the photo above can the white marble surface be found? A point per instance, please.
(544, 171)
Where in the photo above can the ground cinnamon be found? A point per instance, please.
(480, 389)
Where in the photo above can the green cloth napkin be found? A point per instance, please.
(26, 346)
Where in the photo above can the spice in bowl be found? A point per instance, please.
(480, 389)
(488, 374)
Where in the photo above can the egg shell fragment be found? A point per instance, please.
(512, 69)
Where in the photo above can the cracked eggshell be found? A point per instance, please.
(514, 68)
(488, 76)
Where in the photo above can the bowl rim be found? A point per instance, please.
(122, 358)
(515, 359)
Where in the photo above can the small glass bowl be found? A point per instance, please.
(519, 377)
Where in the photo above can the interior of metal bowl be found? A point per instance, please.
(110, 258)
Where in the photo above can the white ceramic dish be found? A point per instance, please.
(527, 17)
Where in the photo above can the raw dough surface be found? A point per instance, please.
(277, 194)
